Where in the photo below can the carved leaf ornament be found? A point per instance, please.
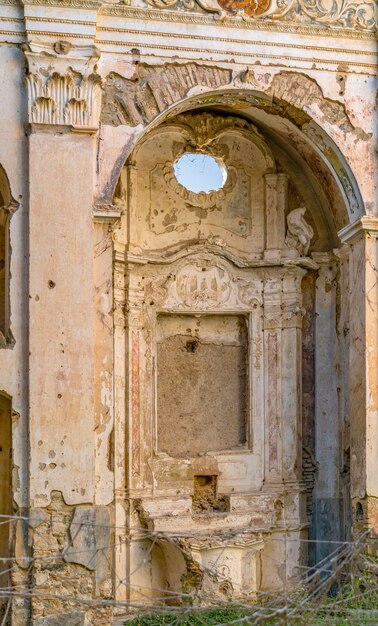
(340, 13)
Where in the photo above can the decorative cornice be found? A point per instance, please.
(345, 18)
(360, 15)
(108, 213)
(232, 40)
(367, 225)
(236, 22)
(77, 4)
(277, 59)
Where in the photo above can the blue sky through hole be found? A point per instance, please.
(200, 172)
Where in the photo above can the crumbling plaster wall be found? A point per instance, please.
(340, 101)
(14, 358)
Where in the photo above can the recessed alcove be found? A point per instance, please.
(201, 383)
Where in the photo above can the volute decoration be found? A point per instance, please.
(339, 13)
(299, 233)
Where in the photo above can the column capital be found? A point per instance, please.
(366, 225)
(64, 88)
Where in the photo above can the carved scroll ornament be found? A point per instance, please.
(340, 13)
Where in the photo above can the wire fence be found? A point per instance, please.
(342, 588)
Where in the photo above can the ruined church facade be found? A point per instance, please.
(188, 379)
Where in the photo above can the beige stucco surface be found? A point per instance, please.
(97, 102)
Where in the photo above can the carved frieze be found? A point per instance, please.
(202, 287)
(361, 15)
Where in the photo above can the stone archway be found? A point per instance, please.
(291, 104)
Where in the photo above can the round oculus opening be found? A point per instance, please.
(199, 172)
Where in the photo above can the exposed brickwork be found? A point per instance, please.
(52, 537)
(156, 88)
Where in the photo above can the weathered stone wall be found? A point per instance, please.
(101, 80)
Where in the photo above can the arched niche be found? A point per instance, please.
(210, 293)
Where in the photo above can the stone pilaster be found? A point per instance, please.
(273, 364)
(326, 512)
(275, 203)
(362, 237)
(292, 313)
(63, 109)
(283, 371)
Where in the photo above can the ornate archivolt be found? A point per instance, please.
(290, 95)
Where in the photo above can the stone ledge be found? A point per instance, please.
(367, 224)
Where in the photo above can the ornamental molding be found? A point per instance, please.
(203, 132)
(63, 85)
(339, 13)
(346, 14)
(341, 18)
(268, 24)
(367, 225)
(208, 202)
